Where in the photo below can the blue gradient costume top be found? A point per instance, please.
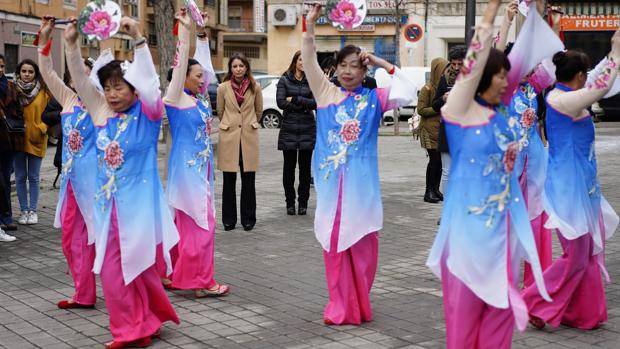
(485, 228)
(190, 186)
(127, 175)
(532, 159)
(572, 197)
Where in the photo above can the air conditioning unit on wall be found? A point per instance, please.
(284, 15)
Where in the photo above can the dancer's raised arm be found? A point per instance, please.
(512, 10)
(175, 88)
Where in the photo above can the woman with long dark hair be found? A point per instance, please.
(190, 169)
(572, 198)
(239, 107)
(485, 229)
(132, 216)
(349, 212)
(33, 97)
(74, 212)
(297, 134)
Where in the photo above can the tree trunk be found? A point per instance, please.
(164, 21)
(399, 9)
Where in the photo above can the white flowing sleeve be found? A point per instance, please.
(143, 76)
(203, 56)
(597, 71)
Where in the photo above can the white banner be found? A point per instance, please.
(259, 16)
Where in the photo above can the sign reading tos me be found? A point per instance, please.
(590, 23)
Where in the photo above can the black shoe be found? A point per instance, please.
(8, 227)
(248, 227)
(290, 210)
(438, 194)
(302, 211)
(229, 227)
(431, 197)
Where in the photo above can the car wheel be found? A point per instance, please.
(271, 119)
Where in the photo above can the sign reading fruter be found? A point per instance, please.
(590, 23)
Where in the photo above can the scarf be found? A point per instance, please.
(451, 75)
(240, 89)
(4, 86)
(27, 91)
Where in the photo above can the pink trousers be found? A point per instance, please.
(80, 256)
(350, 275)
(138, 309)
(470, 322)
(575, 284)
(542, 237)
(194, 265)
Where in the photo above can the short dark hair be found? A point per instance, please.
(457, 52)
(190, 63)
(569, 63)
(112, 71)
(346, 51)
(508, 48)
(496, 62)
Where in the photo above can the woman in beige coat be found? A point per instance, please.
(239, 107)
(429, 131)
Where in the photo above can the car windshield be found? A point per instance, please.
(264, 82)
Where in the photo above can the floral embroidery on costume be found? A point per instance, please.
(602, 81)
(113, 157)
(526, 109)
(472, 56)
(75, 141)
(203, 135)
(510, 141)
(344, 137)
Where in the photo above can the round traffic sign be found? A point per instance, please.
(413, 32)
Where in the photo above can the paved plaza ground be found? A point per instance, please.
(277, 275)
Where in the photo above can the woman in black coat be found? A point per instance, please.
(298, 133)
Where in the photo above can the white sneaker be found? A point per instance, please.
(33, 218)
(4, 237)
(23, 219)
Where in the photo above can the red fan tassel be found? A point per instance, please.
(36, 39)
(303, 24)
(175, 29)
(48, 47)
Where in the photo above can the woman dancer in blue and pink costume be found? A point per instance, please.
(531, 166)
(190, 168)
(477, 252)
(74, 213)
(572, 198)
(132, 216)
(349, 212)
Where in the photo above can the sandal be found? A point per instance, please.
(138, 343)
(219, 291)
(167, 284)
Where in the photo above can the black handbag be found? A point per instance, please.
(14, 125)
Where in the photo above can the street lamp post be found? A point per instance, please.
(470, 20)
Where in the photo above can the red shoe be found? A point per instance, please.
(138, 343)
(69, 304)
(537, 322)
(328, 322)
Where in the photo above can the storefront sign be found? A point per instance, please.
(370, 4)
(590, 23)
(361, 28)
(371, 19)
(28, 38)
(413, 33)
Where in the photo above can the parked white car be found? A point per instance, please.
(272, 115)
(418, 75)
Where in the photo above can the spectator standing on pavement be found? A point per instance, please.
(297, 134)
(33, 97)
(485, 228)
(4, 207)
(132, 216)
(429, 131)
(11, 139)
(239, 107)
(190, 188)
(74, 212)
(349, 213)
(456, 57)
